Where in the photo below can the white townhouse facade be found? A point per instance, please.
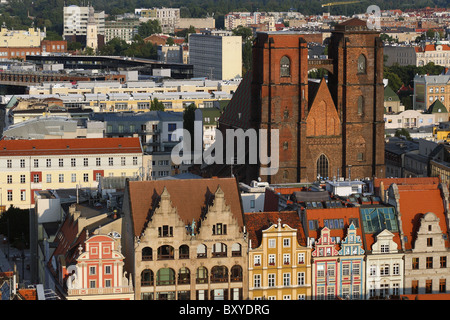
(31, 165)
(384, 267)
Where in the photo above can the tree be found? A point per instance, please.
(189, 30)
(52, 35)
(403, 133)
(15, 222)
(148, 28)
(394, 80)
(247, 43)
(156, 105)
(170, 41)
(74, 46)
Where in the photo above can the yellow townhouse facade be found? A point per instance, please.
(279, 260)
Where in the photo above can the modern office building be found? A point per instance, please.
(216, 55)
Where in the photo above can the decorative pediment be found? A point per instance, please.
(352, 244)
(325, 245)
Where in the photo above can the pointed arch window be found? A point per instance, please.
(322, 166)
(285, 67)
(361, 64)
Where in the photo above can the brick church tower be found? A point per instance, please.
(326, 129)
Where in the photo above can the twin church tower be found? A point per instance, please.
(327, 129)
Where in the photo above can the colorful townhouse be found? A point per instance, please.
(337, 257)
(87, 262)
(279, 260)
(351, 265)
(325, 267)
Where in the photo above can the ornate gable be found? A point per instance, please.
(217, 213)
(165, 213)
(352, 244)
(385, 243)
(325, 246)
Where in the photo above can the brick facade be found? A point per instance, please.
(341, 120)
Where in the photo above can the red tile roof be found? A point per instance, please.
(431, 47)
(28, 294)
(405, 181)
(333, 213)
(70, 146)
(256, 222)
(413, 205)
(190, 197)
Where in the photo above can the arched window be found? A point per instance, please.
(219, 274)
(183, 252)
(146, 278)
(236, 273)
(322, 166)
(285, 67)
(219, 250)
(360, 105)
(236, 250)
(202, 275)
(165, 276)
(165, 252)
(147, 254)
(361, 64)
(201, 251)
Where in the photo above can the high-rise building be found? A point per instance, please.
(216, 55)
(76, 20)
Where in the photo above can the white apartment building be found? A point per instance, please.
(216, 55)
(168, 18)
(236, 19)
(76, 20)
(408, 119)
(31, 165)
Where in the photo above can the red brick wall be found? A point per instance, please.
(282, 103)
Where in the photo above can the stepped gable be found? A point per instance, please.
(190, 197)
